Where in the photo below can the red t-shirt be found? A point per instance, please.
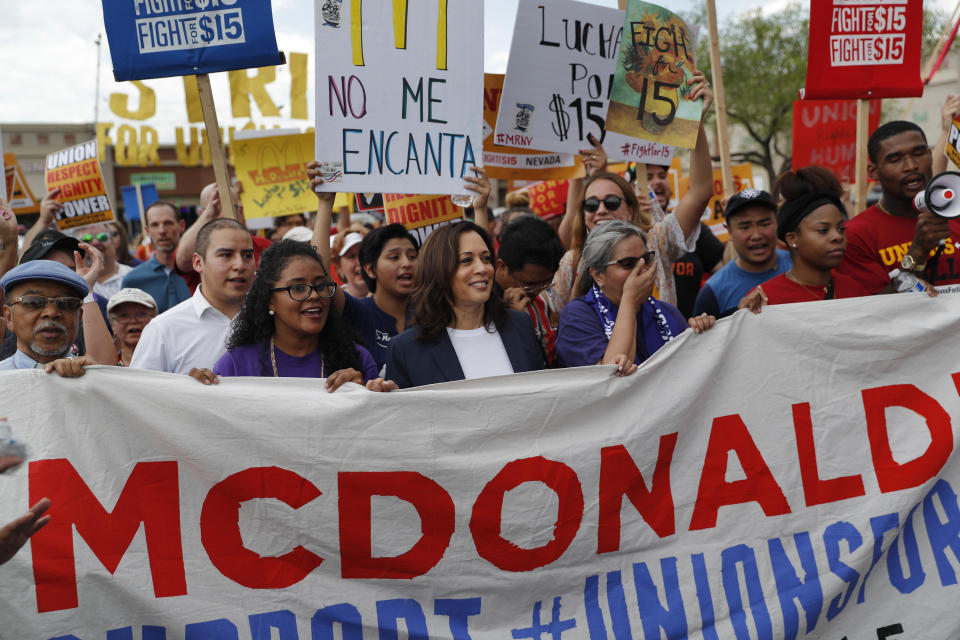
(193, 278)
(877, 242)
(783, 290)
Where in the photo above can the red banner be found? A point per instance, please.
(548, 199)
(825, 134)
(864, 49)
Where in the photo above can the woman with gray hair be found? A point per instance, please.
(615, 319)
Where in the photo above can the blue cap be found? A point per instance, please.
(44, 270)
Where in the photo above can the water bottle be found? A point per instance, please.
(8, 445)
(905, 281)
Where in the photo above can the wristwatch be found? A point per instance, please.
(910, 264)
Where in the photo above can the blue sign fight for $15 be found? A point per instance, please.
(161, 38)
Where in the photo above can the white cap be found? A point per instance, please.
(131, 295)
(300, 234)
(350, 241)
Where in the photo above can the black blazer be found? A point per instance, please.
(413, 363)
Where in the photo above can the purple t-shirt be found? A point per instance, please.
(245, 361)
(582, 342)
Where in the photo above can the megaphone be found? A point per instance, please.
(941, 197)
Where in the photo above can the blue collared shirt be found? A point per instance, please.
(19, 360)
(168, 289)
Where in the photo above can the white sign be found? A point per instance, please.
(557, 88)
(398, 95)
(788, 474)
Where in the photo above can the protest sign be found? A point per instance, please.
(506, 163)
(558, 80)
(273, 170)
(713, 215)
(137, 198)
(810, 490)
(397, 91)
(864, 49)
(76, 172)
(369, 201)
(19, 196)
(3, 172)
(825, 134)
(161, 38)
(420, 214)
(952, 150)
(649, 95)
(548, 199)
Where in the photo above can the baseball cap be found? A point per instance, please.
(44, 270)
(131, 294)
(48, 241)
(749, 197)
(351, 240)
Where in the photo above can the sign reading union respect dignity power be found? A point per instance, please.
(810, 491)
(76, 172)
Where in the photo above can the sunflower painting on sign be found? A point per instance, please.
(649, 95)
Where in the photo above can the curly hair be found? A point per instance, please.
(432, 295)
(254, 325)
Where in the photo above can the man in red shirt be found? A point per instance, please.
(892, 234)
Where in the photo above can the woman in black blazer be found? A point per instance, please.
(461, 328)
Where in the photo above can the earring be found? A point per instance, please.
(794, 246)
(272, 312)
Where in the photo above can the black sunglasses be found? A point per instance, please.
(612, 203)
(630, 262)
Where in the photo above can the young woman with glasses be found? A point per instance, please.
(616, 320)
(288, 328)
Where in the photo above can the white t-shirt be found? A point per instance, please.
(481, 352)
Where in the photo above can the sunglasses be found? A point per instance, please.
(100, 237)
(36, 303)
(612, 203)
(630, 262)
(300, 292)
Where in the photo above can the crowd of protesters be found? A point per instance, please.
(480, 298)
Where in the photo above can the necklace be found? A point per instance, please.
(273, 360)
(827, 290)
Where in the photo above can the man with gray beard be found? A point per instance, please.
(43, 309)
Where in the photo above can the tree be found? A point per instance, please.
(764, 59)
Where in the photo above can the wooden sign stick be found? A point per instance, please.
(217, 155)
(720, 100)
(860, 168)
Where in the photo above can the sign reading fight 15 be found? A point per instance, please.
(161, 38)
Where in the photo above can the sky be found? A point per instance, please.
(50, 60)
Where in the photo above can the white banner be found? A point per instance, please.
(398, 91)
(557, 86)
(783, 474)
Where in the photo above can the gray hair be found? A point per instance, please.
(598, 249)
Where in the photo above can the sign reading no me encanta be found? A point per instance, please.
(398, 97)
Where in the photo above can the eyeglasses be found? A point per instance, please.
(36, 303)
(300, 292)
(100, 237)
(612, 203)
(533, 288)
(139, 316)
(630, 262)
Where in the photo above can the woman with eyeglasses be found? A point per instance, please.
(288, 328)
(616, 320)
(607, 196)
(461, 328)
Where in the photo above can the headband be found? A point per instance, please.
(792, 212)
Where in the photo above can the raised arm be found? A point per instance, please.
(8, 238)
(691, 206)
(96, 336)
(949, 111)
(636, 289)
(480, 185)
(321, 228)
(188, 241)
(48, 209)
